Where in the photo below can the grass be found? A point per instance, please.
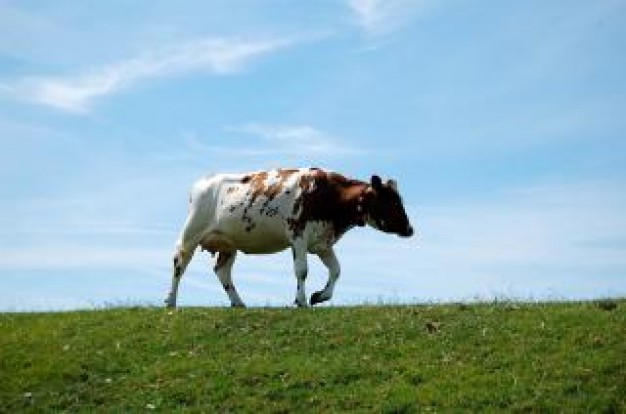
(513, 357)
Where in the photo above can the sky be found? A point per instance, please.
(503, 123)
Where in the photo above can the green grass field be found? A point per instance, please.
(503, 356)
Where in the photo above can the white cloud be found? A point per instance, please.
(379, 17)
(281, 142)
(76, 93)
(296, 139)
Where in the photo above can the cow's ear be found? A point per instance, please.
(377, 183)
(393, 184)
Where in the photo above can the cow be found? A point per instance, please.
(307, 209)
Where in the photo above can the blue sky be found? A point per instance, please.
(503, 123)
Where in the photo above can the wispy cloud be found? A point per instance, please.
(286, 142)
(296, 139)
(76, 93)
(380, 17)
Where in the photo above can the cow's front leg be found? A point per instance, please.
(301, 270)
(330, 261)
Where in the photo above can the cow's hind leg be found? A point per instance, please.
(185, 248)
(223, 268)
(182, 257)
(330, 261)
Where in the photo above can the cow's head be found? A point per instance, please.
(385, 211)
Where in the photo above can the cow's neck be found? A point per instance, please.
(361, 207)
(353, 206)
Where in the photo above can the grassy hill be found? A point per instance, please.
(559, 357)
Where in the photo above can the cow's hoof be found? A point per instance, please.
(169, 305)
(300, 304)
(317, 297)
(238, 305)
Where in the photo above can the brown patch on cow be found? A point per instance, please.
(286, 172)
(231, 190)
(258, 187)
(222, 259)
(216, 246)
(283, 175)
(330, 197)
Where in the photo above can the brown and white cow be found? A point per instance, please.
(306, 209)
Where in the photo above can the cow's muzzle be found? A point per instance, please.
(408, 232)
